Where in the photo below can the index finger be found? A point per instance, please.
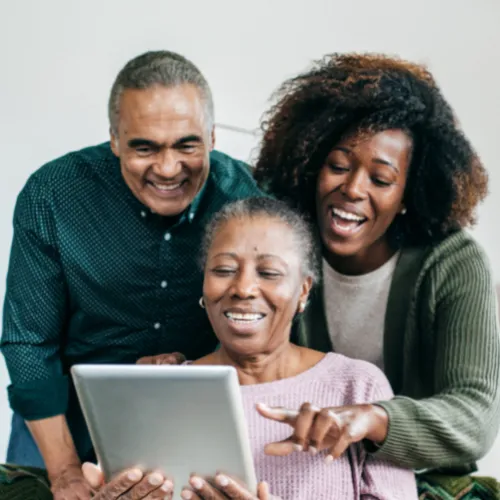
(277, 413)
(119, 485)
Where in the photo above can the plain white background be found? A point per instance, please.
(59, 58)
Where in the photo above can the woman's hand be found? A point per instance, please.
(221, 488)
(70, 484)
(132, 484)
(173, 358)
(335, 429)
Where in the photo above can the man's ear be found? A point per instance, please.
(212, 139)
(115, 146)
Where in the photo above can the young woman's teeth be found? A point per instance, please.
(244, 316)
(347, 215)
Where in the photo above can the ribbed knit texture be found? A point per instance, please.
(441, 355)
(334, 381)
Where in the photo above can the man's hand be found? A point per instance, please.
(335, 429)
(70, 484)
(131, 484)
(173, 358)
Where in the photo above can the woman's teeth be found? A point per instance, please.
(347, 215)
(248, 317)
(166, 187)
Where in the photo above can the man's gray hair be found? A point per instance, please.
(251, 208)
(158, 68)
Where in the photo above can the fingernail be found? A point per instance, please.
(196, 483)
(263, 406)
(315, 409)
(155, 479)
(186, 494)
(313, 450)
(134, 475)
(328, 459)
(222, 480)
(167, 485)
(297, 447)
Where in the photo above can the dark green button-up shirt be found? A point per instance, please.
(96, 277)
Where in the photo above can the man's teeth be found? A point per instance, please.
(244, 316)
(347, 215)
(166, 187)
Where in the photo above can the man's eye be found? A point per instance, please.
(143, 150)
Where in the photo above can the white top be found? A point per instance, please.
(355, 309)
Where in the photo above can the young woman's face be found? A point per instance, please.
(254, 284)
(360, 191)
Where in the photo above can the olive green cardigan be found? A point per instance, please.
(441, 355)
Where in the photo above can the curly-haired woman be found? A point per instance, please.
(369, 149)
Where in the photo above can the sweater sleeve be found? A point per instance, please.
(380, 479)
(34, 311)
(458, 423)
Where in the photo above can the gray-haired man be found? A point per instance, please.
(103, 266)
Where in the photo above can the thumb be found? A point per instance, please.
(263, 491)
(93, 475)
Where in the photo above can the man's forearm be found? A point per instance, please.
(55, 443)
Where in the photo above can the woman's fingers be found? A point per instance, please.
(201, 489)
(316, 429)
(221, 487)
(303, 425)
(278, 414)
(326, 427)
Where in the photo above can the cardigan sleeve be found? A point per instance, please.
(457, 424)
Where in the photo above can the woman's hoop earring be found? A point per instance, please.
(202, 303)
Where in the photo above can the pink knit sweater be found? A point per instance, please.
(334, 381)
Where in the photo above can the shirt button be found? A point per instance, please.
(163, 284)
(167, 236)
(143, 213)
(157, 326)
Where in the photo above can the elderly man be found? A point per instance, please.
(103, 267)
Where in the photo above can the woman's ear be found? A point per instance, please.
(304, 294)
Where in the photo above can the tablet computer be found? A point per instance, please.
(176, 419)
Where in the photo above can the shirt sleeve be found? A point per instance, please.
(458, 424)
(35, 310)
(380, 479)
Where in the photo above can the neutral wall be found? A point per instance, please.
(59, 57)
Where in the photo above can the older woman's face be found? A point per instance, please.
(360, 191)
(253, 284)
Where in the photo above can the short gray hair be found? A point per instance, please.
(305, 242)
(163, 68)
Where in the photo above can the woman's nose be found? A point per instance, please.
(354, 186)
(244, 285)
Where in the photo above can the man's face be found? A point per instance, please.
(163, 145)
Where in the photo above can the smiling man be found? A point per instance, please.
(103, 266)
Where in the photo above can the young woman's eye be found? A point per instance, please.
(381, 182)
(337, 168)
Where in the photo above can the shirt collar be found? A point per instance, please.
(190, 213)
